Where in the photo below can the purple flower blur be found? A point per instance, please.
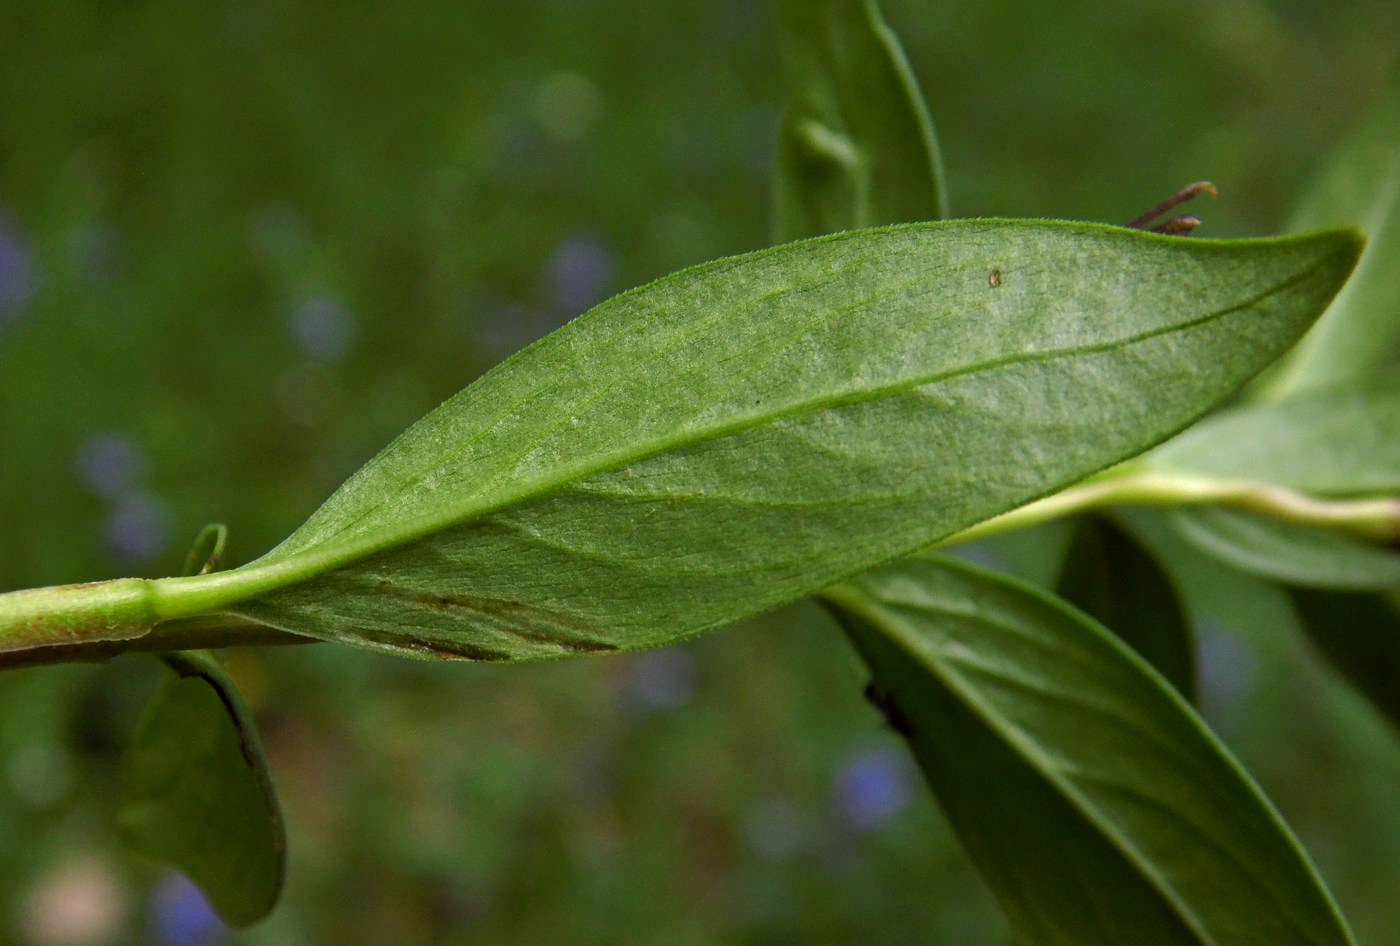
(872, 786)
(18, 273)
(180, 916)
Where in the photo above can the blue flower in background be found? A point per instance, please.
(18, 273)
(661, 679)
(872, 786)
(324, 329)
(180, 916)
(581, 272)
(109, 464)
(138, 528)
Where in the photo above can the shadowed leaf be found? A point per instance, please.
(1111, 578)
(196, 793)
(1096, 804)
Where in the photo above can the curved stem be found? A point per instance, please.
(1377, 520)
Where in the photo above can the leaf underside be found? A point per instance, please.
(750, 430)
(1092, 799)
(1340, 440)
(1288, 552)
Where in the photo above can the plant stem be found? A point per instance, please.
(1376, 520)
(100, 620)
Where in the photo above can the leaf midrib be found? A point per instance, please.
(259, 577)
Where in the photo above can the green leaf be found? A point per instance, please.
(857, 147)
(748, 431)
(1337, 441)
(1111, 578)
(196, 794)
(1097, 805)
(1359, 634)
(1360, 186)
(1035, 553)
(1287, 551)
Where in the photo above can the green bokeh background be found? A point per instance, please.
(243, 245)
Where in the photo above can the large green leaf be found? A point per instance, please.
(753, 429)
(1288, 552)
(196, 792)
(1097, 805)
(1108, 576)
(1360, 186)
(857, 146)
(1337, 441)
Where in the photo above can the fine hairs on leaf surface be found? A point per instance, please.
(750, 430)
(1096, 804)
(753, 429)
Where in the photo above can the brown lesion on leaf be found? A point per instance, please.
(514, 618)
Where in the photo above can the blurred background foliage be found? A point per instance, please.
(244, 244)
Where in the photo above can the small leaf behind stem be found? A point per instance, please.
(1097, 805)
(196, 792)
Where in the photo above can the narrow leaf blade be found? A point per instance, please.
(751, 430)
(1115, 581)
(857, 147)
(196, 792)
(1286, 551)
(1095, 802)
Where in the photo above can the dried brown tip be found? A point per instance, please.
(1187, 193)
(1178, 226)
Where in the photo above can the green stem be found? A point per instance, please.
(102, 619)
(76, 614)
(98, 620)
(1376, 520)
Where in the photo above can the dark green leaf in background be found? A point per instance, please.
(750, 430)
(196, 793)
(1360, 635)
(1108, 576)
(857, 146)
(1094, 801)
(1288, 552)
(1342, 440)
(1360, 186)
